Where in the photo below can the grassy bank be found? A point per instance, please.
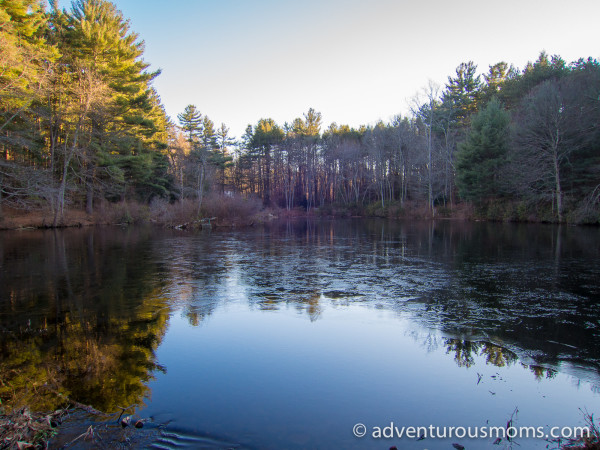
(223, 211)
(496, 211)
(238, 211)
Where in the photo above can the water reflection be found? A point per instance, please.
(528, 288)
(81, 313)
(85, 310)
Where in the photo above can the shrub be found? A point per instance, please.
(123, 213)
(230, 209)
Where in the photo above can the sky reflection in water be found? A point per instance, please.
(288, 338)
(285, 337)
(274, 379)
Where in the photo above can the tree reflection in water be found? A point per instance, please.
(84, 317)
(84, 311)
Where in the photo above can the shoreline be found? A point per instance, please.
(74, 218)
(36, 222)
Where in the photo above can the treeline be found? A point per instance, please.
(80, 122)
(79, 119)
(515, 144)
(518, 145)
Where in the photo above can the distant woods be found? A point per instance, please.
(517, 145)
(80, 123)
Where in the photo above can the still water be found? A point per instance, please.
(287, 336)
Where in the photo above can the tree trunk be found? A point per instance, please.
(1, 214)
(559, 203)
(223, 178)
(89, 196)
(200, 190)
(557, 251)
(181, 182)
(267, 177)
(60, 197)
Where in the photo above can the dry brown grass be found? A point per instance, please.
(23, 429)
(231, 210)
(589, 442)
(14, 219)
(228, 211)
(121, 213)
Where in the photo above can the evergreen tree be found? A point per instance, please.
(76, 104)
(482, 155)
(98, 40)
(25, 60)
(312, 123)
(463, 93)
(494, 80)
(518, 85)
(208, 136)
(221, 159)
(191, 123)
(266, 134)
(25, 64)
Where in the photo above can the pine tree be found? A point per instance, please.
(99, 39)
(266, 134)
(222, 159)
(494, 80)
(25, 58)
(208, 136)
(483, 154)
(191, 123)
(518, 85)
(462, 93)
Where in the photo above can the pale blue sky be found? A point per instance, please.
(355, 61)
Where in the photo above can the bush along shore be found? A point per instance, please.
(236, 211)
(215, 211)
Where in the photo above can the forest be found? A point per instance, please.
(82, 128)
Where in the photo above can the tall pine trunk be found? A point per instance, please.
(1, 213)
(60, 196)
(267, 177)
(89, 195)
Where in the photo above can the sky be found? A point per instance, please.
(355, 61)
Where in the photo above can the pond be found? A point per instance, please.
(304, 334)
